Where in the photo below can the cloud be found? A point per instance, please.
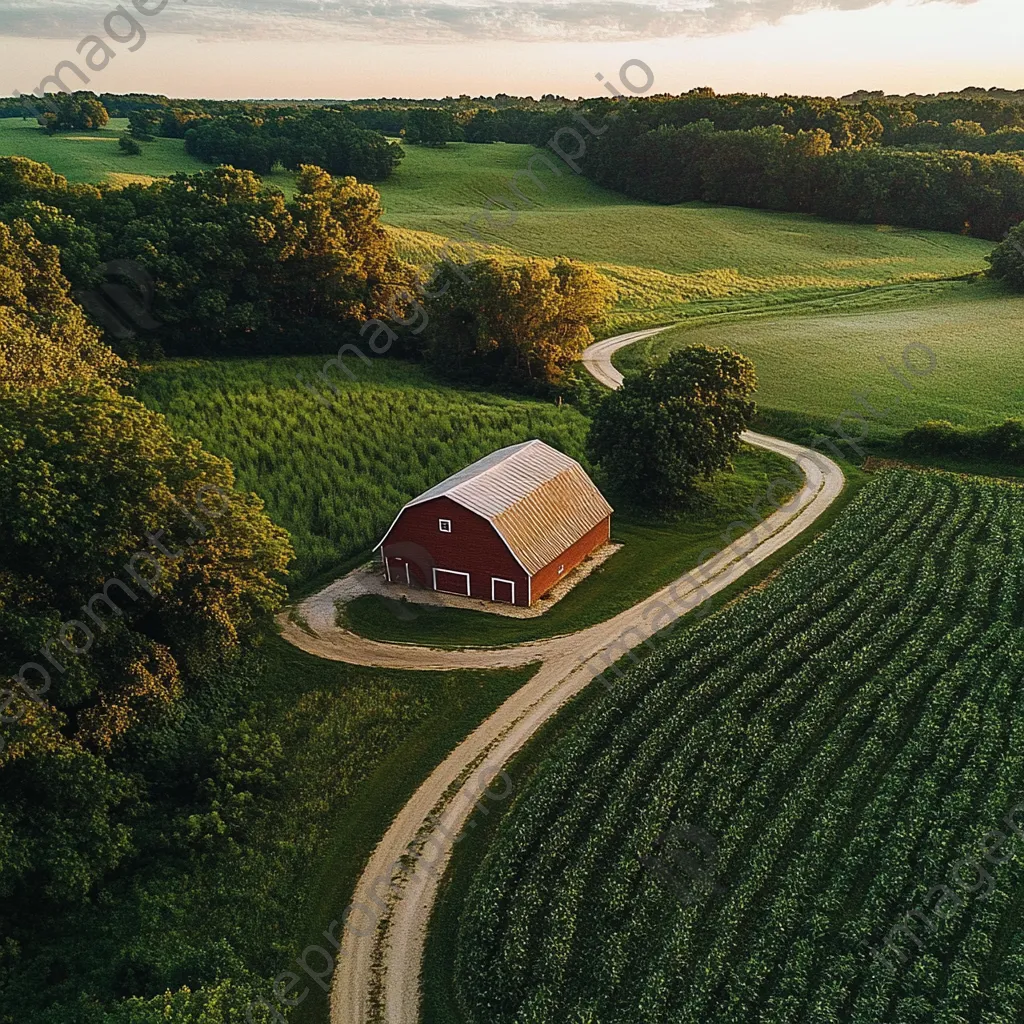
(431, 20)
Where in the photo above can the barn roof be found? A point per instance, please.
(538, 499)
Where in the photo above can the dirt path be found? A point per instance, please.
(377, 980)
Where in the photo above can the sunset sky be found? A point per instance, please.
(334, 49)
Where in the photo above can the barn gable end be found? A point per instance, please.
(506, 528)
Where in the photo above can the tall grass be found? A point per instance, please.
(335, 473)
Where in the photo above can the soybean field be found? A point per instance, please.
(788, 813)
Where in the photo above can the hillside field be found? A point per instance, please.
(94, 155)
(818, 361)
(788, 813)
(668, 262)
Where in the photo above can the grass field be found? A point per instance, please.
(663, 258)
(94, 156)
(654, 553)
(739, 828)
(335, 474)
(814, 361)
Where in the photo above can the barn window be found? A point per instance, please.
(561, 569)
(444, 525)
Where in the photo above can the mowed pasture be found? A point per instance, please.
(663, 257)
(94, 156)
(802, 809)
(335, 468)
(962, 342)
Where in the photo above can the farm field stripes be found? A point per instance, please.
(845, 736)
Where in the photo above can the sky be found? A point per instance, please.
(342, 50)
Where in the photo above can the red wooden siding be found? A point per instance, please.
(473, 546)
(544, 580)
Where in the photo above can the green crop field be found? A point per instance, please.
(788, 814)
(824, 359)
(335, 473)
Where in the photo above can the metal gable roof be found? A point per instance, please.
(538, 499)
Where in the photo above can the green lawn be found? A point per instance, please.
(94, 155)
(654, 553)
(335, 474)
(813, 362)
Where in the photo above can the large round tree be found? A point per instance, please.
(673, 425)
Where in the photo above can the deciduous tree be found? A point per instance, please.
(673, 425)
(513, 320)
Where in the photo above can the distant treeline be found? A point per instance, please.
(973, 120)
(645, 153)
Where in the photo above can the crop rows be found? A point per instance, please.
(845, 735)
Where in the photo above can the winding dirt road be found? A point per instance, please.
(377, 979)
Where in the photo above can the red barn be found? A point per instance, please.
(506, 528)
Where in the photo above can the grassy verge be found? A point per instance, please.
(440, 1005)
(654, 553)
(460, 702)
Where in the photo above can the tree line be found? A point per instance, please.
(236, 268)
(770, 168)
(970, 121)
(325, 138)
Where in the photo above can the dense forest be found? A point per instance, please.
(135, 584)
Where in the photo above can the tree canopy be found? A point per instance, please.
(519, 321)
(72, 111)
(674, 425)
(133, 576)
(1007, 259)
(320, 136)
(45, 337)
(235, 267)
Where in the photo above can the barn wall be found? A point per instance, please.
(544, 580)
(473, 546)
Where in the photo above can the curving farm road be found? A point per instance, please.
(377, 979)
